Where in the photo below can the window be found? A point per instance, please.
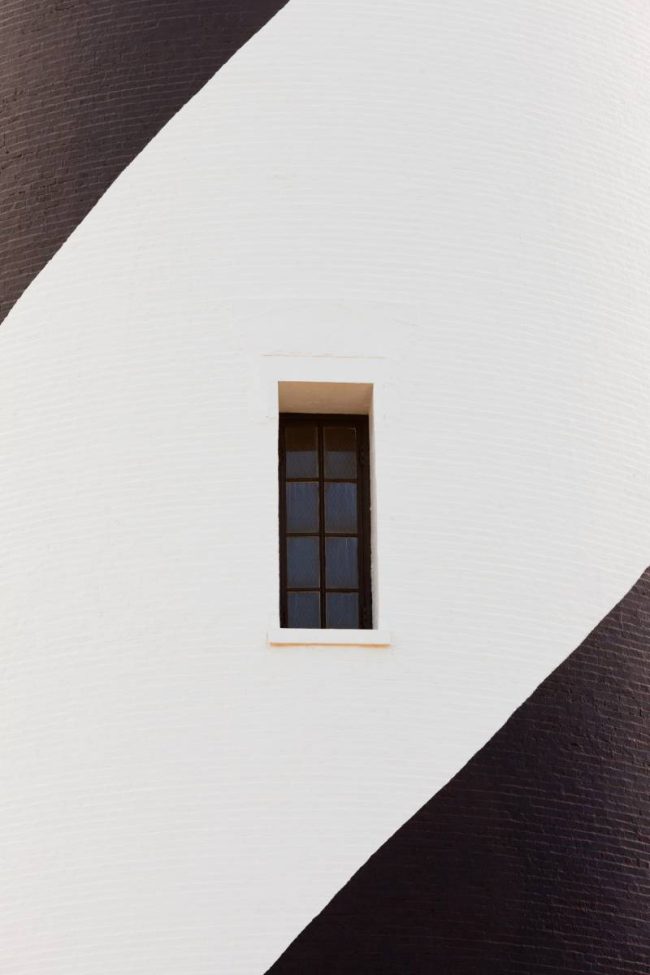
(324, 522)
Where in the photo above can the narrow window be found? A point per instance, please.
(324, 522)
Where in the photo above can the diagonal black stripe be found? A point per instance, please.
(533, 859)
(85, 84)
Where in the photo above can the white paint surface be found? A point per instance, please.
(458, 191)
(286, 637)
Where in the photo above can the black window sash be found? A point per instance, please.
(362, 480)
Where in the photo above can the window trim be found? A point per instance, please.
(294, 637)
(361, 424)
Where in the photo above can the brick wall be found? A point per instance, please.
(85, 86)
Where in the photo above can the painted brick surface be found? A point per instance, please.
(84, 86)
(535, 857)
(449, 200)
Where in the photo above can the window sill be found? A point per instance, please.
(285, 637)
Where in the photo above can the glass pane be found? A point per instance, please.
(342, 610)
(304, 609)
(340, 507)
(340, 452)
(303, 567)
(301, 445)
(341, 563)
(302, 506)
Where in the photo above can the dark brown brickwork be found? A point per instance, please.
(85, 84)
(533, 860)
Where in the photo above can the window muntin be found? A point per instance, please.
(324, 522)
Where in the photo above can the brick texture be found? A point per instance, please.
(534, 858)
(85, 85)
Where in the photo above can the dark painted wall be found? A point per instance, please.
(85, 85)
(534, 858)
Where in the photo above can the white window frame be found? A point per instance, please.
(328, 384)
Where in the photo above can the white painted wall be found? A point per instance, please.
(451, 198)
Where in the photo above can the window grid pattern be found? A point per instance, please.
(324, 521)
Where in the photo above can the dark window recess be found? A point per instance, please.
(324, 522)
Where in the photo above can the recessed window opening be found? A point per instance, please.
(324, 521)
